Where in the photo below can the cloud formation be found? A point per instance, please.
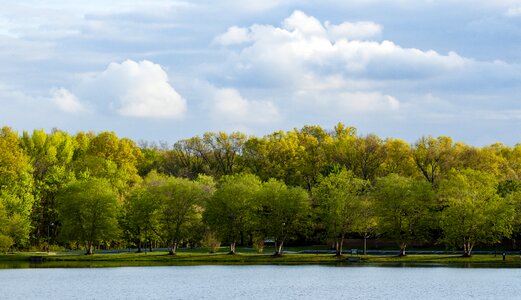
(229, 106)
(303, 44)
(66, 101)
(136, 89)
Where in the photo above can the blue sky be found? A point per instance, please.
(167, 70)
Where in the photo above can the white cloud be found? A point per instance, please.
(349, 103)
(353, 31)
(333, 67)
(367, 102)
(136, 89)
(230, 106)
(66, 101)
(234, 35)
(304, 45)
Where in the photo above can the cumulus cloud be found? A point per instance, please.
(331, 68)
(353, 31)
(230, 106)
(234, 35)
(136, 89)
(303, 44)
(340, 103)
(66, 101)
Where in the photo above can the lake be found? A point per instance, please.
(260, 282)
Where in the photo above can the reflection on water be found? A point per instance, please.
(260, 282)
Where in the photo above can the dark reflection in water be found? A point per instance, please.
(115, 264)
(260, 282)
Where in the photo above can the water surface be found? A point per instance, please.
(260, 282)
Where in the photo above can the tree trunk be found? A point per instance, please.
(232, 248)
(89, 248)
(339, 245)
(139, 246)
(173, 248)
(365, 244)
(467, 247)
(402, 250)
(278, 248)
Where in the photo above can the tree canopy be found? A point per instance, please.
(307, 185)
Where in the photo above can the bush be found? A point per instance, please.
(258, 245)
(211, 242)
(5, 243)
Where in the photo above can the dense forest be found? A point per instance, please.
(308, 185)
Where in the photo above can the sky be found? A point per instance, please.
(168, 70)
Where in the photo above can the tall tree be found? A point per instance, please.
(337, 196)
(475, 213)
(108, 156)
(16, 188)
(281, 212)
(365, 221)
(229, 211)
(398, 159)
(140, 220)
(51, 156)
(87, 210)
(369, 155)
(181, 202)
(433, 157)
(405, 209)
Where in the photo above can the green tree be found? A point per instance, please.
(107, 156)
(405, 209)
(282, 212)
(475, 213)
(365, 218)
(6, 241)
(87, 210)
(337, 196)
(368, 156)
(141, 215)
(398, 159)
(181, 202)
(51, 157)
(434, 157)
(16, 188)
(229, 211)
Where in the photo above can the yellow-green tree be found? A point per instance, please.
(87, 210)
(337, 197)
(16, 188)
(405, 209)
(281, 212)
(180, 205)
(51, 159)
(475, 213)
(229, 212)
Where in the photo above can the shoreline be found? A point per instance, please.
(128, 259)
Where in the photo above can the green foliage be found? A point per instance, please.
(107, 156)
(281, 212)
(338, 199)
(404, 207)
(434, 157)
(229, 211)
(180, 205)
(475, 213)
(87, 210)
(51, 157)
(16, 187)
(361, 185)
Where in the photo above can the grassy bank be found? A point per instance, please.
(198, 258)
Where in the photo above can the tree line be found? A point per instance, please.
(307, 185)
